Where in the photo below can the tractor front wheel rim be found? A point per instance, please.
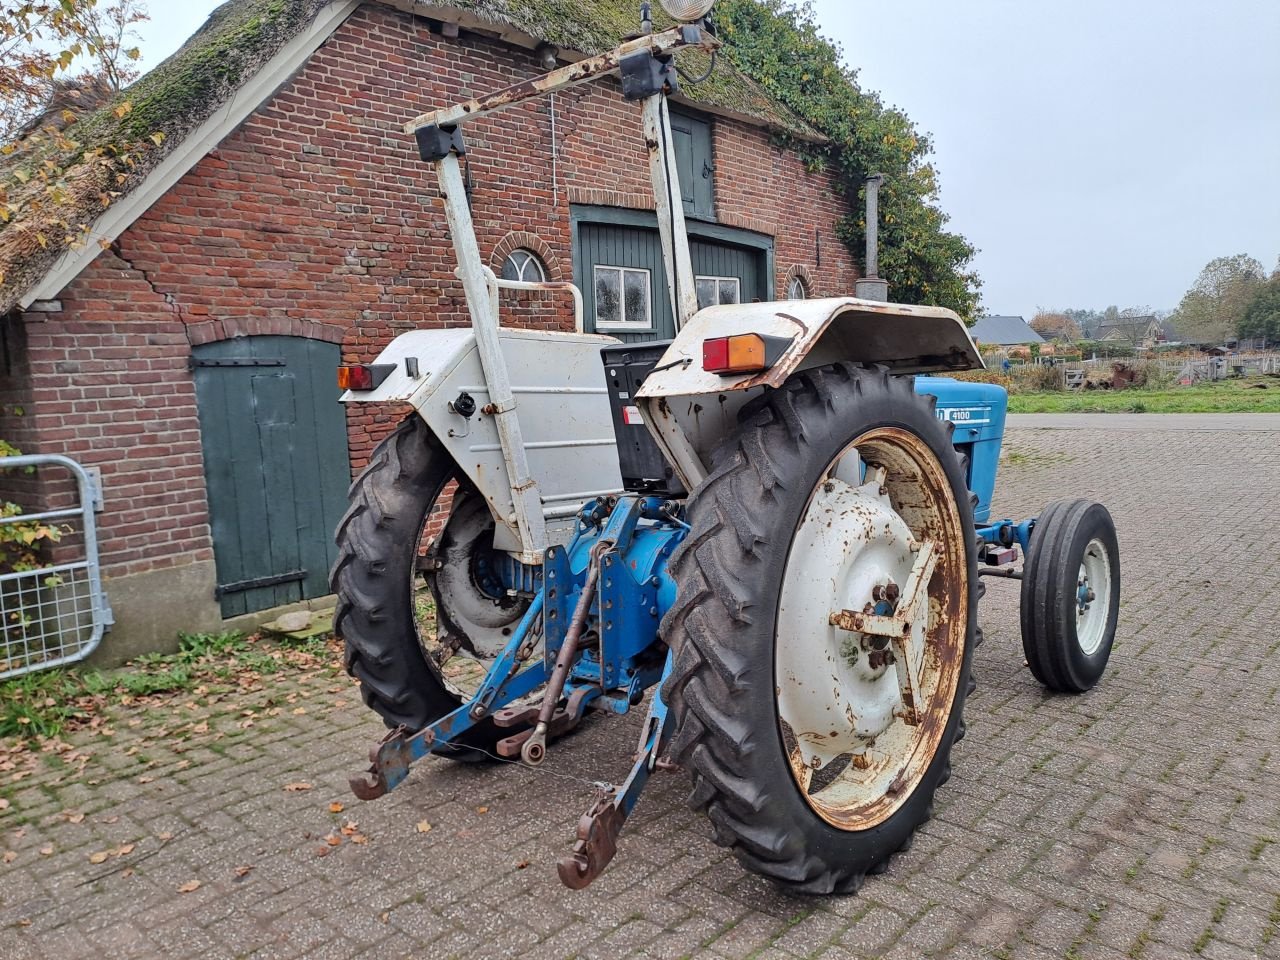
(1093, 597)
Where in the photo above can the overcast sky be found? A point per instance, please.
(1097, 152)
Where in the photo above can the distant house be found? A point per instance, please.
(1144, 332)
(1004, 331)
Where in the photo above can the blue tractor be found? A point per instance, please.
(768, 533)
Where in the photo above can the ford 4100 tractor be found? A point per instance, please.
(768, 533)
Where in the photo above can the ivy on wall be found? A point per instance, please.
(778, 44)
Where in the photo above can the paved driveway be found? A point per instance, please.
(1140, 820)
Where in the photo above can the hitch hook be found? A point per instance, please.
(597, 842)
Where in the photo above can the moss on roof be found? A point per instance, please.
(594, 26)
(237, 40)
(173, 99)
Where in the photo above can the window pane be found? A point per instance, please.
(637, 293)
(513, 266)
(706, 292)
(533, 270)
(729, 290)
(608, 295)
(523, 265)
(796, 290)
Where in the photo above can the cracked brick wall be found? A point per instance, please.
(316, 218)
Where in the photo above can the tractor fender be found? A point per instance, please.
(688, 410)
(561, 400)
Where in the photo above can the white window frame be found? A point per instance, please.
(625, 323)
(736, 280)
(530, 259)
(804, 289)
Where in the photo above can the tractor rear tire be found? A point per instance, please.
(373, 579)
(725, 690)
(1067, 638)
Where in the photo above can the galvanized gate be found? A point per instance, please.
(276, 466)
(55, 615)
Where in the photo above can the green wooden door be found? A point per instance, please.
(276, 466)
(692, 139)
(624, 285)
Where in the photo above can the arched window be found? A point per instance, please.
(796, 290)
(524, 265)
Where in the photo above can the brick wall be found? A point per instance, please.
(316, 218)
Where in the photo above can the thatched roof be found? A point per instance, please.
(241, 36)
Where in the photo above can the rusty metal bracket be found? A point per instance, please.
(563, 720)
(584, 71)
(597, 841)
(391, 755)
(900, 627)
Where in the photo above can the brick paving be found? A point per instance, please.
(1140, 820)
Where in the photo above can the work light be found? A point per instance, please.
(687, 11)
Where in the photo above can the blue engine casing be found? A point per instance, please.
(977, 412)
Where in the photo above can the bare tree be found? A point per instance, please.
(1055, 325)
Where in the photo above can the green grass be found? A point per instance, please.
(1228, 396)
(43, 704)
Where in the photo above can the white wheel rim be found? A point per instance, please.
(1093, 597)
(853, 754)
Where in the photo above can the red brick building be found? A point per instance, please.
(289, 223)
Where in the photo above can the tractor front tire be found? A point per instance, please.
(823, 830)
(1070, 595)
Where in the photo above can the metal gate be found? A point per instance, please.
(58, 614)
(276, 466)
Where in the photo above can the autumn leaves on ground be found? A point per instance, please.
(59, 732)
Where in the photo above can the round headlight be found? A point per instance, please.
(687, 10)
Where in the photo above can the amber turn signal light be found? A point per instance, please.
(742, 353)
(363, 376)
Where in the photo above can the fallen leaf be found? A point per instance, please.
(359, 838)
(74, 817)
(46, 850)
(4, 804)
(336, 807)
(297, 787)
(243, 871)
(191, 886)
(99, 857)
(482, 810)
(124, 850)
(9, 856)
(424, 827)
(322, 851)
(145, 779)
(166, 836)
(333, 840)
(385, 916)
(299, 711)
(349, 828)
(24, 922)
(106, 820)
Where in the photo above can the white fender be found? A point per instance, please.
(689, 410)
(562, 401)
